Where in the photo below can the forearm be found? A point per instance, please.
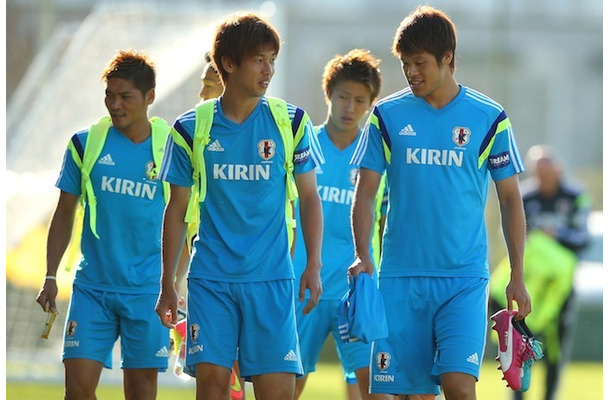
(310, 210)
(60, 231)
(513, 229)
(363, 216)
(173, 238)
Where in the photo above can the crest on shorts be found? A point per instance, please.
(194, 332)
(71, 328)
(383, 360)
(461, 135)
(266, 149)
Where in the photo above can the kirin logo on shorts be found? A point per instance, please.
(383, 360)
(194, 332)
(266, 149)
(461, 135)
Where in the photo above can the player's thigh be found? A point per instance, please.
(461, 327)
(144, 340)
(213, 323)
(268, 341)
(313, 329)
(402, 363)
(91, 327)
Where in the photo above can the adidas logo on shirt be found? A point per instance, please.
(473, 359)
(106, 160)
(215, 146)
(407, 131)
(290, 356)
(163, 352)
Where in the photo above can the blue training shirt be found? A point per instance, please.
(336, 182)
(127, 256)
(438, 179)
(242, 236)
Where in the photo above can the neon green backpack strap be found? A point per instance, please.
(279, 111)
(374, 120)
(160, 131)
(93, 148)
(204, 116)
(379, 198)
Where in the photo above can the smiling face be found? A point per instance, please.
(423, 74)
(349, 101)
(126, 104)
(253, 74)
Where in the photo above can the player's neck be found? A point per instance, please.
(444, 94)
(341, 138)
(137, 132)
(237, 106)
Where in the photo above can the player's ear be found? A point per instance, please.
(149, 97)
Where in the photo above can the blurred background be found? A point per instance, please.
(541, 60)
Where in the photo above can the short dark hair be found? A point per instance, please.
(241, 35)
(132, 66)
(357, 65)
(208, 60)
(426, 29)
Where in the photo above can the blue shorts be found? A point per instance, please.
(96, 319)
(256, 317)
(437, 325)
(315, 327)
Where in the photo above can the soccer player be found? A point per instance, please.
(117, 283)
(351, 84)
(439, 143)
(241, 280)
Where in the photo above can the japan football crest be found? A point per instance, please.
(383, 360)
(461, 135)
(266, 149)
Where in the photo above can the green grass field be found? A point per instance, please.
(581, 381)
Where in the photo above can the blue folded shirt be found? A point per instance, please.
(361, 313)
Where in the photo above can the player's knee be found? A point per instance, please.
(140, 386)
(458, 386)
(78, 392)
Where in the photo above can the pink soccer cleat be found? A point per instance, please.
(517, 350)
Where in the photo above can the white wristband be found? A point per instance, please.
(51, 277)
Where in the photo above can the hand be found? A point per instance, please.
(167, 307)
(47, 295)
(310, 280)
(359, 266)
(516, 291)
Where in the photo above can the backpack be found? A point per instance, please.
(291, 131)
(86, 159)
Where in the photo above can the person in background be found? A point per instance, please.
(439, 143)
(556, 211)
(351, 83)
(241, 281)
(211, 84)
(117, 282)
